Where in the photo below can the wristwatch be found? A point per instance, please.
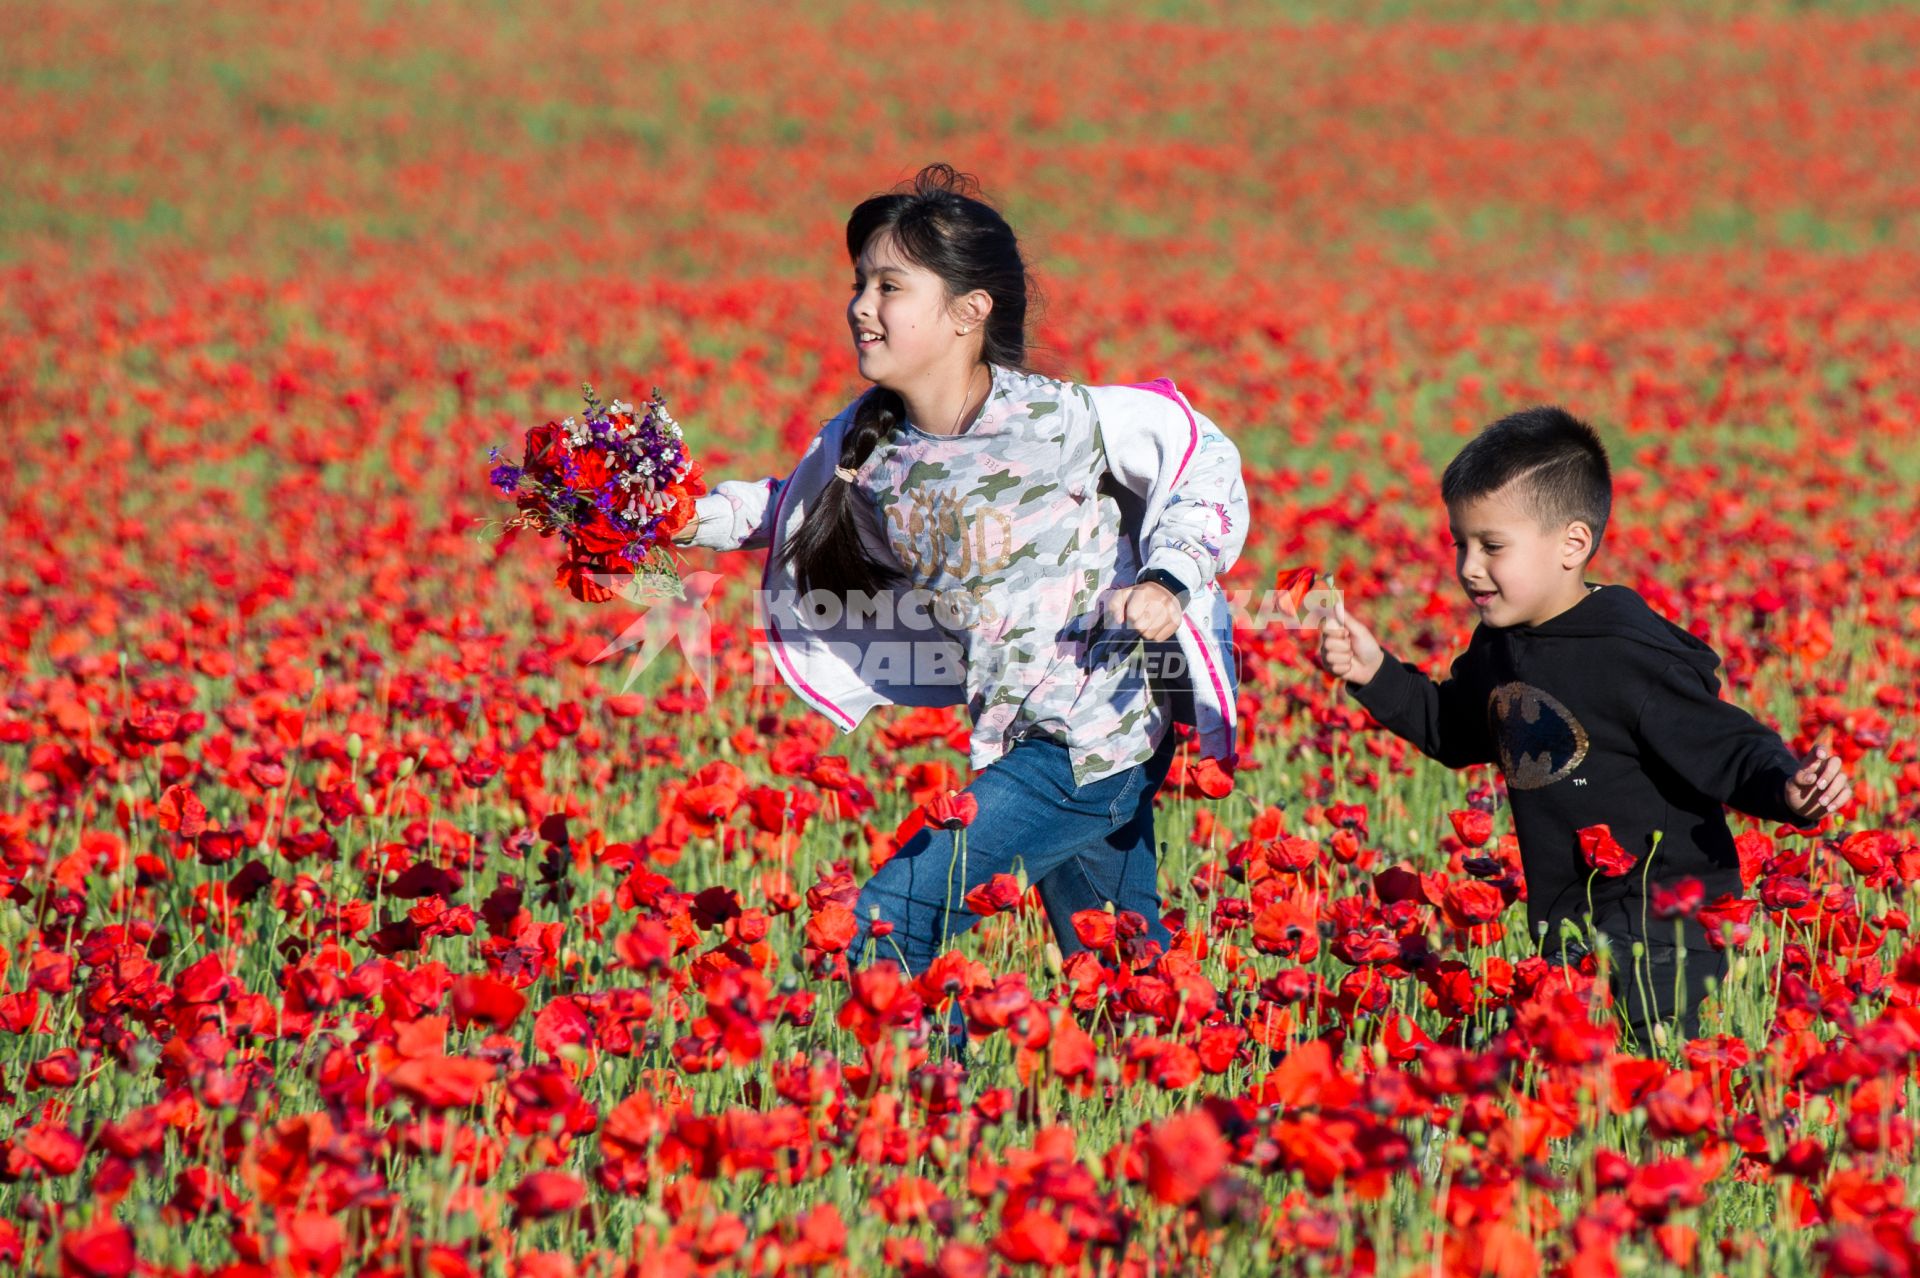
(1161, 577)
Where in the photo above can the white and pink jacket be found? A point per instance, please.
(1187, 514)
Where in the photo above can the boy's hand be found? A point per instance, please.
(1348, 649)
(1820, 788)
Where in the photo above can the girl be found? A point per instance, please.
(969, 530)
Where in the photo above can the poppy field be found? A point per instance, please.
(358, 918)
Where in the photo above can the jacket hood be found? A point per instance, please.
(1618, 612)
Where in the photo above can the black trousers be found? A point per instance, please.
(1666, 983)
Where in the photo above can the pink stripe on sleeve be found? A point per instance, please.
(1164, 386)
(1219, 690)
(779, 646)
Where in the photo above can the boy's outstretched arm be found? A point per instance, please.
(1728, 755)
(1444, 720)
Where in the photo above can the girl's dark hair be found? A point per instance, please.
(939, 223)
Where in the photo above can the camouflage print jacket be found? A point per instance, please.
(1012, 534)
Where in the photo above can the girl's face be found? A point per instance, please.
(1516, 572)
(900, 316)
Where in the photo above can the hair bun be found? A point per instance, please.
(943, 179)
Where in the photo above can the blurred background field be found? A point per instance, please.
(1480, 206)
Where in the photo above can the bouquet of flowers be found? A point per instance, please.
(614, 485)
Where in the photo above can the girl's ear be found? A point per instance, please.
(970, 311)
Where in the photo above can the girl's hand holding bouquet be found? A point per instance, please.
(615, 485)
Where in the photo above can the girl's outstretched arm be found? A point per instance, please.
(1158, 447)
(736, 515)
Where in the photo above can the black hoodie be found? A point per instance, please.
(1605, 714)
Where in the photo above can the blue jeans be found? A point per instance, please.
(1082, 846)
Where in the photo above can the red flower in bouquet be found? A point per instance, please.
(614, 485)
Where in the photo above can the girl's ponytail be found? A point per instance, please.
(938, 223)
(825, 549)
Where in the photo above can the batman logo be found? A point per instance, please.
(1539, 739)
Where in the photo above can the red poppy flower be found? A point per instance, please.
(1665, 1186)
(596, 536)
(1472, 825)
(590, 471)
(1473, 902)
(1679, 899)
(1728, 920)
(542, 450)
(953, 810)
(832, 929)
(483, 999)
(1603, 852)
(1294, 583)
(577, 575)
(1211, 777)
(181, 812)
(103, 1249)
(1096, 929)
(1032, 1235)
(1001, 892)
(316, 1243)
(561, 1024)
(546, 1193)
(338, 804)
(1185, 1154)
(442, 1082)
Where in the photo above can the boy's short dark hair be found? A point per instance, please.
(1556, 461)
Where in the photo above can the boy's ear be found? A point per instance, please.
(1577, 546)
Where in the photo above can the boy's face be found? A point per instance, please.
(1516, 572)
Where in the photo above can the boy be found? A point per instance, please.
(1595, 708)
